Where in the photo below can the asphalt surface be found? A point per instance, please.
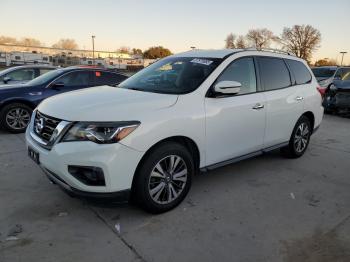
(263, 209)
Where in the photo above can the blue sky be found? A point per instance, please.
(177, 24)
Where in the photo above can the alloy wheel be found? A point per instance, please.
(17, 118)
(168, 179)
(301, 137)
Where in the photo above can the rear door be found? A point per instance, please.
(284, 100)
(107, 78)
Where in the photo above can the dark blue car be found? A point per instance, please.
(18, 101)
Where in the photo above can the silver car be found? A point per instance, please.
(23, 74)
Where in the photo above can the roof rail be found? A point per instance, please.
(273, 50)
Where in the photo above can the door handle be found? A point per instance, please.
(258, 106)
(299, 98)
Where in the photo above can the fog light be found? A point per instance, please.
(89, 175)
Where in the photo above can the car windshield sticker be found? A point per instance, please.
(202, 61)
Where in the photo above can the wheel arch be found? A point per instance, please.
(189, 144)
(18, 100)
(311, 117)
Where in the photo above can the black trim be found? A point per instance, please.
(119, 196)
(315, 129)
(243, 157)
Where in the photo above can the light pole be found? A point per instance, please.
(342, 57)
(93, 49)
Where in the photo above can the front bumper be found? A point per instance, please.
(117, 161)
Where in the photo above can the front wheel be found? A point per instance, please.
(15, 117)
(299, 139)
(164, 178)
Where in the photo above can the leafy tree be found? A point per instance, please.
(136, 51)
(156, 52)
(230, 41)
(260, 38)
(326, 62)
(66, 43)
(302, 40)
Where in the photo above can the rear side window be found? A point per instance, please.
(75, 79)
(274, 73)
(301, 73)
(108, 78)
(45, 70)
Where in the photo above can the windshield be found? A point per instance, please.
(173, 75)
(45, 77)
(323, 72)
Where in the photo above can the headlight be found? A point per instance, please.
(100, 132)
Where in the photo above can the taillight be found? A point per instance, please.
(321, 90)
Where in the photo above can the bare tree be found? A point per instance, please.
(27, 41)
(66, 44)
(241, 42)
(260, 38)
(302, 40)
(230, 41)
(8, 40)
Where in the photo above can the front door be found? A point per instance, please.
(235, 124)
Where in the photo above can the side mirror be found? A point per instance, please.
(6, 79)
(228, 87)
(57, 85)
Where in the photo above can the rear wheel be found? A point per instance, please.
(164, 178)
(15, 117)
(299, 139)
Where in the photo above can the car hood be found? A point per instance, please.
(342, 85)
(104, 103)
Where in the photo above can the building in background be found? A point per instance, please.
(12, 55)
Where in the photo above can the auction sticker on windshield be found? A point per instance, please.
(202, 61)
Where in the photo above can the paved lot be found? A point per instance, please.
(263, 209)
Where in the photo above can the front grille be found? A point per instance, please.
(44, 126)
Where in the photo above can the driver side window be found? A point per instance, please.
(241, 70)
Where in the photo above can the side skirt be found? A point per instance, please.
(240, 158)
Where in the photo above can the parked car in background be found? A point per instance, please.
(337, 96)
(325, 76)
(23, 74)
(193, 111)
(17, 101)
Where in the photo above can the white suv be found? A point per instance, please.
(186, 113)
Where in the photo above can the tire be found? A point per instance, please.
(152, 184)
(15, 117)
(298, 143)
